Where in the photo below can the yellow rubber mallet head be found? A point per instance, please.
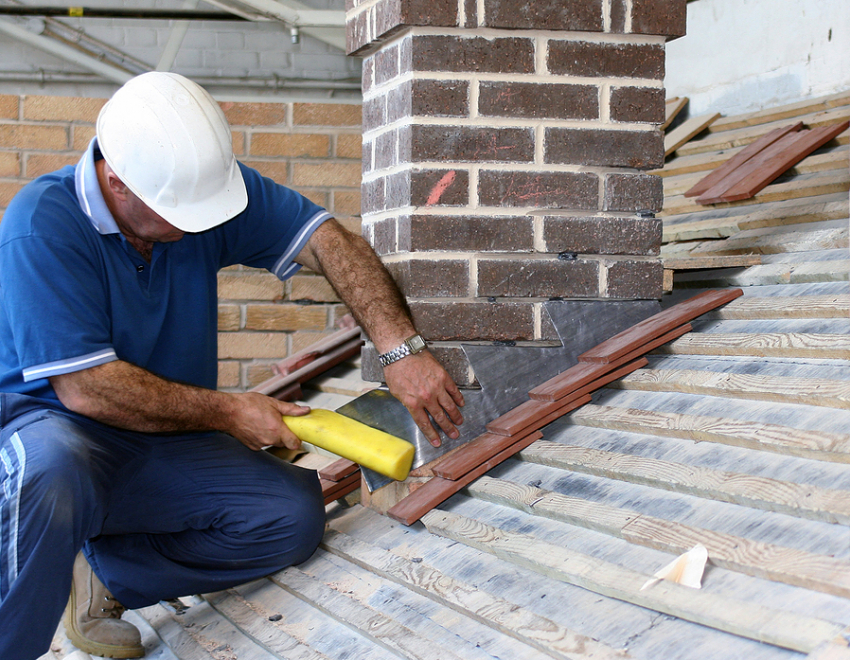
(348, 438)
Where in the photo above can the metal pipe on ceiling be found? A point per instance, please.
(120, 12)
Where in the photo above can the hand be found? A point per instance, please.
(424, 387)
(257, 421)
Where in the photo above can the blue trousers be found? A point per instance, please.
(158, 516)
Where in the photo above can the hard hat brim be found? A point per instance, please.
(194, 217)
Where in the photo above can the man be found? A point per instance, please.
(113, 439)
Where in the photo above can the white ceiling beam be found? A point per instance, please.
(327, 25)
(65, 52)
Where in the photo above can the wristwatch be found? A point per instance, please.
(411, 346)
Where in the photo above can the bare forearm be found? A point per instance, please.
(126, 396)
(362, 282)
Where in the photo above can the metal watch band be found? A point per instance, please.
(404, 350)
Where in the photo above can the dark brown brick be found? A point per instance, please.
(367, 75)
(438, 188)
(386, 65)
(602, 235)
(465, 321)
(637, 104)
(374, 113)
(581, 58)
(384, 236)
(633, 192)
(373, 196)
(469, 233)
(575, 190)
(538, 278)
(366, 157)
(618, 16)
(431, 278)
(538, 100)
(470, 8)
(665, 17)
(470, 54)
(471, 144)
(440, 98)
(636, 149)
(385, 150)
(582, 15)
(357, 34)
(397, 190)
(642, 280)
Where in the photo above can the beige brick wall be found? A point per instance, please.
(311, 147)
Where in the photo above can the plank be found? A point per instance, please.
(767, 166)
(687, 130)
(534, 414)
(785, 307)
(791, 212)
(437, 490)
(358, 616)
(750, 620)
(672, 107)
(743, 136)
(785, 440)
(741, 157)
(334, 490)
(338, 470)
(697, 262)
(312, 369)
(270, 634)
(784, 272)
(774, 344)
(509, 618)
(764, 493)
(583, 373)
(763, 560)
(808, 391)
(805, 185)
(807, 106)
(777, 242)
(352, 387)
(657, 325)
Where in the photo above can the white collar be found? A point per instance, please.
(88, 193)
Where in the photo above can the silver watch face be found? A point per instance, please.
(416, 343)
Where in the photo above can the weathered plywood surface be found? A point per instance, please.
(795, 499)
(775, 344)
(748, 620)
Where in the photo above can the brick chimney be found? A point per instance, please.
(503, 149)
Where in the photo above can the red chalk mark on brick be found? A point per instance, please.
(438, 190)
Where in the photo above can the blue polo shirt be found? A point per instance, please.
(75, 294)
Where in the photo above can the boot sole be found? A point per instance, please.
(90, 647)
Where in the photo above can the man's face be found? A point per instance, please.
(139, 220)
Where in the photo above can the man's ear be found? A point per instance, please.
(116, 185)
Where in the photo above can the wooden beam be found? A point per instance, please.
(509, 618)
(438, 490)
(781, 389)
(364, 620)
(774, 241)
(764, 560)
(687, 130)
(773, 344)
(781, 112)
(746, 619)
(834, 306)
(793, 499)
(657, 325)
(785, 440)
(698, 262)
(672, 107)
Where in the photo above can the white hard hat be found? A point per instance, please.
(169, 142)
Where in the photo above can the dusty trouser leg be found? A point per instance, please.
(205, 513)
(55, 477)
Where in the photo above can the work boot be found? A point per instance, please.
(93, 618)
